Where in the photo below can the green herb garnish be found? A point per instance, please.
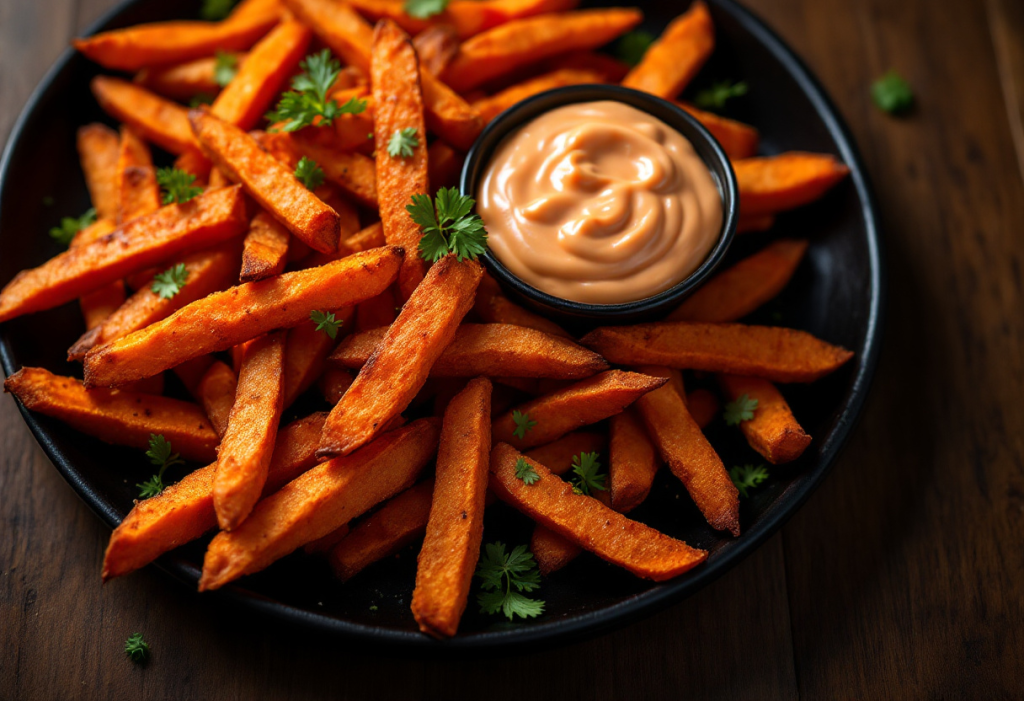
(307, 100)
(309, 173)
(326, 322)
(505, 578)
(585, 467)
(225, 69)
(177, 185)
(159, 454)
(422, 9)
(69, 226)
(403, 143)
(892, 93)
(748, 477)
(715, 97)
(740, 410)
(631, 47)
(169, 282)
(525, 472)
(523, 424)
(452, 229)
(136, 648)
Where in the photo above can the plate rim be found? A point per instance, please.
(540, 635)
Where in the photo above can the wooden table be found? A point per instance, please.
(902, 577)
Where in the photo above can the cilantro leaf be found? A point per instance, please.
(69, 226)
(159, 454)
(309, 173)
(215, 10)
(136, 648)
(748, 477)
(422, 9)
(326, 322)
(402, 143)
(504, 579)
(715, 97)
(169, 282)
(585, 466)
(631, 47)
(200, 99)
(177, 185)
(525, 472)
(307, 100)
(449, 226)
(225, 69)
(740, 410)
(523, 424)
(892, 93)
(151, 487)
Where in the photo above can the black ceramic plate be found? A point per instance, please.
(837, 294)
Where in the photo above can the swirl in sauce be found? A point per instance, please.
(600, 203)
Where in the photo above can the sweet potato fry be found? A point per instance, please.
(395, 77)
(737, 139)
(193, 161)
(183, 81)
(99, 305)
(444, 165)
(184, 511)
(325, 544)
(466, 17)
(581, 404)
(272, 185)
(353, 172)
(334, 383)
(632, 463)
(225, 319)
(611, 69)
(400, 521)
(243, 457)
(98, 151)
(436, 46)
(501, 50)
(759, 222)
(155, 119)
(490, 107)
(207, 271)
(689, 455)
(272, 60)
(499, 310)
(191, 372)
(451, 546)
(551, 550)
(348, 35)
(113, 416)
(265, 251)
(398, 367)
(773, 432)
(549, 501)
(557, 455)
(137, 188)
(769, 352)
(703, 407)
(143, 45)
(377, 313)
(306, 352)
(675, 58)
(176, 228)
(490, 349)
(370, 237)
(786, 181)
(216, 391)
(737, 291)
(319, 501)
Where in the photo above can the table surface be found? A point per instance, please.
(903, 575)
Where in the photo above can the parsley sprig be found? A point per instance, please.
(309, 173)
(748, 477)
(740, 410)
(225, 69)
(136, 648)
(403, 143)
(422, 9)
(177, 185)
(326, 322)
(892, 93)
(523, 424)
(169, 282)
(215, 10)
(200, 99)
(525, 472)
(452, 229)
(505, 578)
(631, 47)
(69, 226)
(715, 97)
(585, 466)
(307, 100)
(159, 454)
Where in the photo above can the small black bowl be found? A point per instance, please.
(577, 313)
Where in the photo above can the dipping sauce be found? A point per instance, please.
(598, 202)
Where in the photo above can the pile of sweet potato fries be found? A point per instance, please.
(425, 363)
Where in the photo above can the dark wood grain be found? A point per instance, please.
(903, 576)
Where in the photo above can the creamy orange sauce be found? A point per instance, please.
(600, 203)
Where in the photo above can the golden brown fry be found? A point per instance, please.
(138, 191)
(113, 416)
(216, 392)
(400, 521)
(452, 544)
(243, 457)
(674, 59)
(352, 172)
(689, 455)
(581, 404)
(184, 511)
(319, 501)
(499, 310)
(490, 349)
(754, 222)
(444, 164)
(773, 353)
(557, 455)
(395, 77)
(436, 46)
(183, 81)
(334, 383)
(265, 251)
(377, 313)
(98, 151)
(466, 17)
(703, 407)
(490, 107)
(737, 139)
(551, 550)
(142, 242)
(633, 461)
(306, 354)
(399, 366)
(774, 431)
(786, 181)
(608, 534)
(739, 290)
(155, 119)
(324, 545)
